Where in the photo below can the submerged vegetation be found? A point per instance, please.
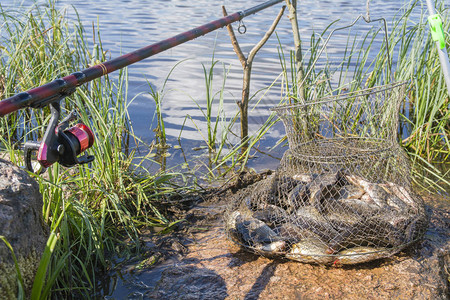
(91, 208)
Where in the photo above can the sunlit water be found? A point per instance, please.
(128, 25)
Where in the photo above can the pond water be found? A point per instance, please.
(129, 25)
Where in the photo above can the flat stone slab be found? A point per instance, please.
(209, 266)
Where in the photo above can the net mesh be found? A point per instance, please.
(342, 192)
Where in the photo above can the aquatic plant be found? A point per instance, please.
(158, 96)
(425, 113)
(215, 123)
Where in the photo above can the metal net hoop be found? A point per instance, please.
(349, 124)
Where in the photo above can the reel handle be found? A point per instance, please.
(29, 147)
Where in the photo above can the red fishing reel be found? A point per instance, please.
(60, 143)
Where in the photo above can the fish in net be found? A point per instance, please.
(342, 193)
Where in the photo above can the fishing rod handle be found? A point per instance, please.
(41, 96)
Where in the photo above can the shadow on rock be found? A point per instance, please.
(241, 257)
(262, 281)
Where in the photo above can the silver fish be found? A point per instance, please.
(310, 250)
(356, 180)
(299, 196)
(360, 206)
(309, 212)
(308, 218)
(271, 214)
(351, 191)
(307, 178)
(253, 233)
(376, 231)
(368, 200)
(324, 198)
(292, 233)
(282, 187)
(285, 184)
(359, 181)
(328, 191)
(317, 191)
(377, 194)
(272, 248)
(407, 198)
(393, 200)
(356, 199)
(358, 255)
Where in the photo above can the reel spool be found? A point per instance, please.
(60, 143)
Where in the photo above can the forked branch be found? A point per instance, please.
(246, 63)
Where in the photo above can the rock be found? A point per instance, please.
(22, 225)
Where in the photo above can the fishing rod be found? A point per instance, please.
(63, 144)
(41, 96)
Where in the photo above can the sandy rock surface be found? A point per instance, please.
(204, 264)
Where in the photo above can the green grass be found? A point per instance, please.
(428, 113)
(90, 208)
(419, 62)
(218, 125)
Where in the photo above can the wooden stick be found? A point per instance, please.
(234, 41)
(292, 6)
(246, 63)
(269, 32)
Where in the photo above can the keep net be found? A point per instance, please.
(342, 193)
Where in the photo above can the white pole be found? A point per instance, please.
(443, 55)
